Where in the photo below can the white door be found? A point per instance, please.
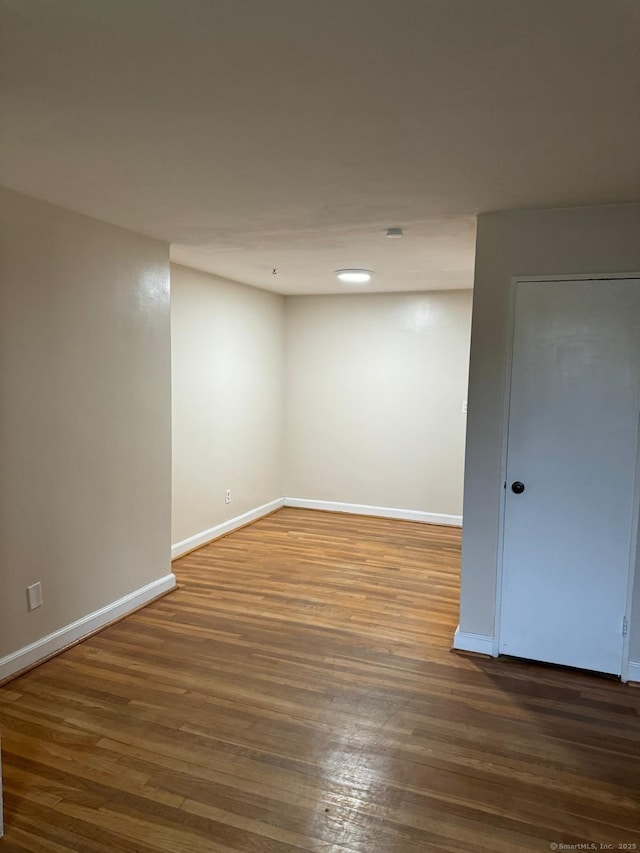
(572, 444)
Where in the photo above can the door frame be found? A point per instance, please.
(634, 554)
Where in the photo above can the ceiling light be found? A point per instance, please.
(354, 276)
(394, 233)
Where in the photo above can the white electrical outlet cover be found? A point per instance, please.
(34, 595)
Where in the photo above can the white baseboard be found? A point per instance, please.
(212, 533)
(380, 511)
(633, 671)
(478, 643)
(58, 640)
(205, 536)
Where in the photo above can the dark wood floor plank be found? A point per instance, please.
(298, 692)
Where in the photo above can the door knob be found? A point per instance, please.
(517, 488)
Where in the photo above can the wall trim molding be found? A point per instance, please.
(380, 511)
(206, 536)
(633, 672)
(478, 643)
(196, 541)
(55, 642)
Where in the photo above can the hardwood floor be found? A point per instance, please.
(298, 692)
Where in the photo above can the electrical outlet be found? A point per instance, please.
(34, 595)
(227, 496)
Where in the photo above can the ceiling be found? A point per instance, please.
(289, 134)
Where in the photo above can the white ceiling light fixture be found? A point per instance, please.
(354, 276)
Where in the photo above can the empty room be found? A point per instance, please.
(319, 413)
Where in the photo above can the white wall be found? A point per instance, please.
(375, 386)
(228, 399)
(85, 426)
(526, 243)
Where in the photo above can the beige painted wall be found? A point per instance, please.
(527, 243)
(375, 386)
(85, 424)
(228, 399)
